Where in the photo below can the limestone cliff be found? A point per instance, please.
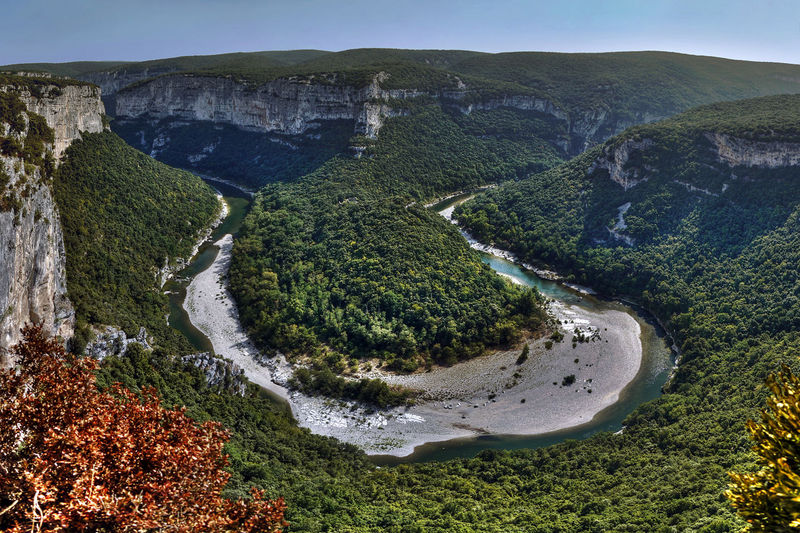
(736, 151)
(287, 106)
(590, 127)
(731, 151)
(296, 104)
(615, 160)
(32, 263)
(68, 111)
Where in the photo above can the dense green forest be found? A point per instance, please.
(345, 264)
(622, 82)
(124, 214)
(720, 268)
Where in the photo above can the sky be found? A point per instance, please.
(71, 30)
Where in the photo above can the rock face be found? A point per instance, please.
(761, 154)
(112, 341)
(32, 258)
(69, 111)
(287, 106)
(294, 105)
(615, 160)
(591, 127)
(219, 372)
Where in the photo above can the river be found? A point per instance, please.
(656, 367)
(238, 204)
(626, 367)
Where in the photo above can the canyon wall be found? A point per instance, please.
(32, 262)
(33, 284)
(294, 105)
(68, 110)
(736, 151)
(288, 106)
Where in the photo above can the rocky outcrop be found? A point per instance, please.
(32, 260)
(615, 160)
(737, 152)
(68, 110)
(372, 116)
(112, 341)
(219, 372)
(593, 126)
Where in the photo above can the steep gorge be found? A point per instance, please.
(300, 104)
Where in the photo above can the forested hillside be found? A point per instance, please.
(622, 82)
(125, 216)
(715, 256)
(345, 264)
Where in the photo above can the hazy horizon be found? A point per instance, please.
(93, 30)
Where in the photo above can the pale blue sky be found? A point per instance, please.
(68, 30)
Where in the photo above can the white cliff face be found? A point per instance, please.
(762, 154)
(290, 106)
(33, 284)
(287, 106)
(294, 105)
(68, 111)
(615, 160)
(372, 116)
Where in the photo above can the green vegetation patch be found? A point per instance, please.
(123, 215)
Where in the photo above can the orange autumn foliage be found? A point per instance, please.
(73, 458)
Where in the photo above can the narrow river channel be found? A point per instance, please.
(440, 429)
(238, 205)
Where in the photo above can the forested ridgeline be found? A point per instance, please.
(124, 217)
(619, 82)
(346, 264)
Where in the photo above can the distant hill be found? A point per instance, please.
(661, 82)
(599, 94)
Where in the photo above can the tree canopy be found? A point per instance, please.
(78, 459)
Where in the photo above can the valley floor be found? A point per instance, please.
(486, 395)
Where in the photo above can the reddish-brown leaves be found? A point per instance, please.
(73, 458)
